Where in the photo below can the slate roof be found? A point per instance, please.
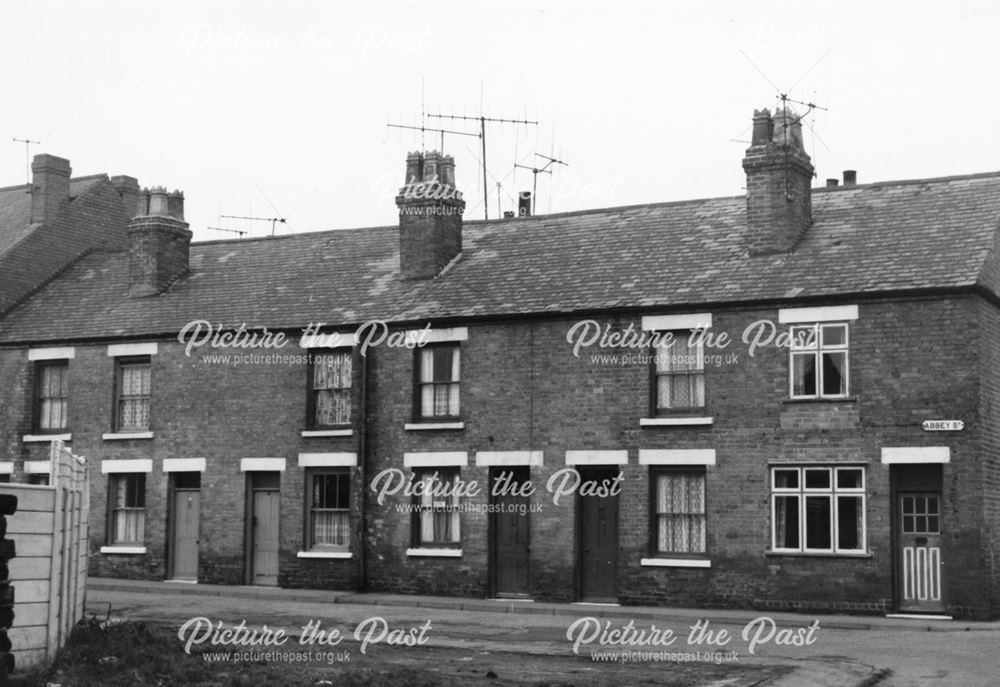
(867, 239)
(15, 209)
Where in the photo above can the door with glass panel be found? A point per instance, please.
(919, 542)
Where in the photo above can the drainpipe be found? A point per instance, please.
(362, 476)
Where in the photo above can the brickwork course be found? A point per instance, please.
(909, 268)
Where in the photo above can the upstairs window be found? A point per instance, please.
(679, 372)
(438, 374)
(51, 395)
(330, 389)
(133, 394)
(819, 361)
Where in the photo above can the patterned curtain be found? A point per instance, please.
(134, 397)
(680, 375)
(332, 384)
(680, 503)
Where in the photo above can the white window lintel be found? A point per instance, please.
(701, 320)
(436, 459)
(829, 313)
(328, 460)
(262, 464)
(118, 350)
(52, 353)
(126, 465)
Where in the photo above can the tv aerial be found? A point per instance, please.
(535, 171)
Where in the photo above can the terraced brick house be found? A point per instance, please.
(788, 399)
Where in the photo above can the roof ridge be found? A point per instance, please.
(907, 182)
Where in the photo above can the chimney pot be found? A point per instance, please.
(524, 204)
(49, 186)
(763, 127)
(832, 183)
(850, 177)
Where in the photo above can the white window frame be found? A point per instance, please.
(816, 349)
(831, 492)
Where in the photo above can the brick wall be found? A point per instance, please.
(523, 389)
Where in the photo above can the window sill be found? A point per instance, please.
(435, 553)
(324, 554)
(417, 426)
(38, 438)
(674, 421)
(676, 562)
(834, 399)
(817, 554)
(127, 550)
(124, 436)
(327, 432)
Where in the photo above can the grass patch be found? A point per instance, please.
(136, 653)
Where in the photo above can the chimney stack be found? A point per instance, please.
(160, 243)
(850, 177)
(49, 186)
(832, 183)
(779, 175)
(430, 215)
(132, 198)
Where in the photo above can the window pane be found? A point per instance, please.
(835, 335)
(817, 478)
(803, 374)
(427, 400)
(849, 523)
(330, 528)
(443, 364)
(786, 522)
(818, 522)
(804, 338)
(427, 365)
(835, 374)
(850, 478)
(786, 478)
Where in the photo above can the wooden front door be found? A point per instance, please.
(598, 544)
(510, 525)
(919, 541)
(263, 526)
(186, 513)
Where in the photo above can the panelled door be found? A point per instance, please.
(186, 512)
(598, 543)
(262, 523)
(919, 542)
(510, 523)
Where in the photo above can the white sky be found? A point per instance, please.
(235, 103)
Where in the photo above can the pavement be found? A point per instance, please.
(847, 650)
